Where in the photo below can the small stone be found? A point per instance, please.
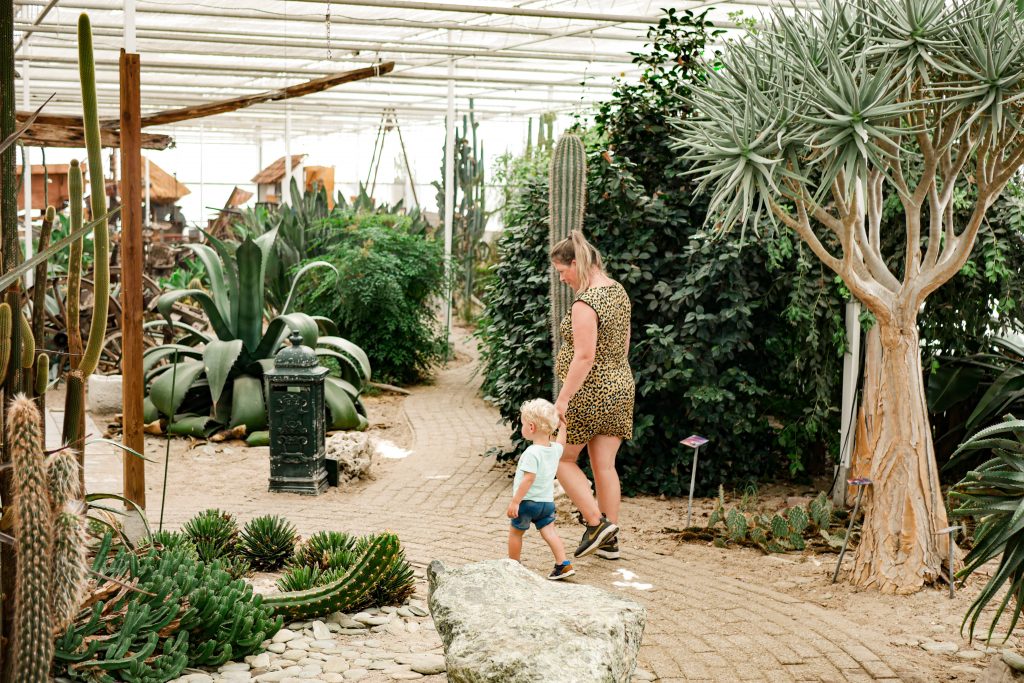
(353, 631)
(937, 628)
(380, 665)
(294, 655)
(970, 654)
(322, 644)
(425, 663)
(417, 610)
(284, 635)
(912, 641)
(966, 669)
(277, 648)
(332, 627)
(405, 612)
(234, 666)
(320, 631)
(412, 627)
(273, 676)
(395, 627)
(406, 676)
(371, 620)
(332, 678)
(336, 665)
(379, 628)
(299, 625)
(310, 663)
(1013, 660)
(940, 647)
(298, 644)
(355, 674)
(362, 662)
(236, 675)
(260, 661)
(343, 620)
(388, 609)
(643, 675)
(373, 644)
(197, 678)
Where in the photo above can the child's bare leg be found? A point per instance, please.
(515, 543)
(554, 542)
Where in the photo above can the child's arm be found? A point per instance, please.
(520, 493)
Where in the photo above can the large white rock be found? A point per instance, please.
(501, 622)
(104, 394)
(354, 452)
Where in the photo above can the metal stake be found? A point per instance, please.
(951, 530)
(860, 483)
(694, 442)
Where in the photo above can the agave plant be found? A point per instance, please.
(993, 494)
(213, 533)
(267, 542)
(221, 383)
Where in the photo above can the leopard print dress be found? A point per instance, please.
(604, 404)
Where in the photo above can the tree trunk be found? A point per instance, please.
(900, 551)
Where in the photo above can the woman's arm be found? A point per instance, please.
(584, 350)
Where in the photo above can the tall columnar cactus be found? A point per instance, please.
(69, 568)
(567, 203)
(39, 305)
(345, 593)
(28, 342)
(5, 337)
(32, 650)
(73, 321)
(101, 241)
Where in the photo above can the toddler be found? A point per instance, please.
(533, 489)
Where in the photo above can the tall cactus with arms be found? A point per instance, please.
(567, 187)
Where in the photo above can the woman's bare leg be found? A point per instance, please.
(576, 484)
(602, 450)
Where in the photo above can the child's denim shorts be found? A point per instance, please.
(541, 514)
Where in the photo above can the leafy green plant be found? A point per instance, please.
(221, 384)
(169, 540)
(993, 494)
(214, 534)
(165, 611)
(304, 577)
(382, 297)
(267, 542)
(782, 531)
(318, 548)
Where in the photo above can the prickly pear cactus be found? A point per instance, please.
(567, 203)
(821, 511)
(798, 521)
(343, 594)
(780, 527)
(736, 522)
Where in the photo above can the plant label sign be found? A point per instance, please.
(694, 441)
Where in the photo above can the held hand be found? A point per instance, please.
(513, 510)
(561, 405)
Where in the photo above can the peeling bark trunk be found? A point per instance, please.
(899, 550)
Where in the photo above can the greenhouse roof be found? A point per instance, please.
(512, 60)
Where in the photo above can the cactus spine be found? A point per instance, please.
(567, 201)
(346, 592)
(101, 238)
(32, 650)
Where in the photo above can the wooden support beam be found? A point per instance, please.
(224, 106)
(66, 131)
(132, 387)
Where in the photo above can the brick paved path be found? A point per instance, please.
(447, 502)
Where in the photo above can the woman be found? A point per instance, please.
(596, 399)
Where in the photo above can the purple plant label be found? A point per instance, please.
(694, 441)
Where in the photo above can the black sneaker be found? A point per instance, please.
(609, 550)
(561, 571)
(594, 536)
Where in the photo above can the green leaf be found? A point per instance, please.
(251, 264)
(247, 404)
(201, 426)
(298, 277)
(169, 389)
(345, 346)
(215, 271)
(217, 321)
(219, 358)
(341, 409)
(277, 332)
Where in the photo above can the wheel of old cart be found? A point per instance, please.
(56, 336)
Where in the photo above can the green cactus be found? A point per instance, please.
(73, 314)
(736, 523)
(567, 191)
(39, 280)
(718, 514)
(5, 338)
(759, 536)
(343, 594)
(73, 431)
(42, 375)
(780, 527)
(798, 521)
(70, 570)
(821, 511)
(101, 237)
(32, 647)
(28, 342)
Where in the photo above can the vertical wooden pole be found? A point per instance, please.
(131, 277)
(8, 230)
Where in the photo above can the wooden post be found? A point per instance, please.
(131, 277)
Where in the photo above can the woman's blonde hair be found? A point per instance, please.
(575, 247)
(541, 413)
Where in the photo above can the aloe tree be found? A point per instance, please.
(820, 117)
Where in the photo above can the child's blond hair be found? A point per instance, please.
(541, 413)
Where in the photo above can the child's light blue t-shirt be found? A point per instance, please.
(542, 461)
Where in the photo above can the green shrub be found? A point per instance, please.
(267, 542)
(383, 297)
